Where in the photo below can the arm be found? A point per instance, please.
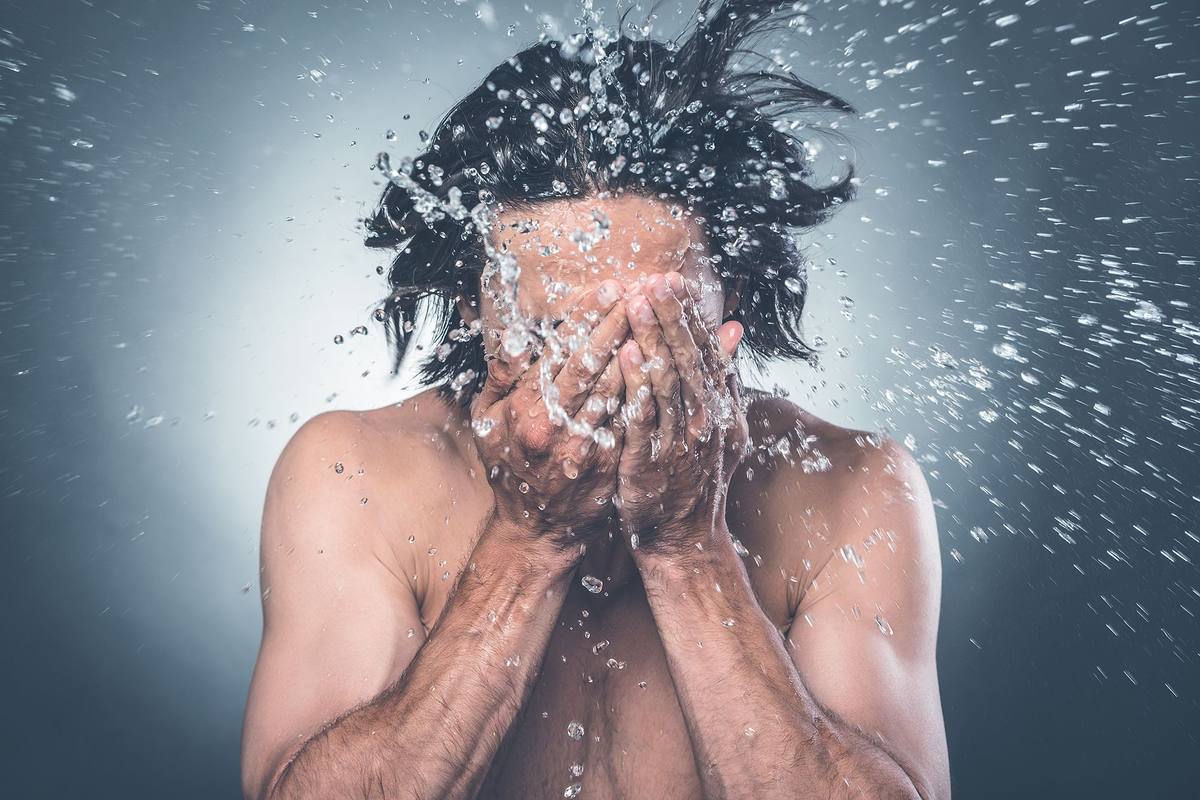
(343, 703)
(755, 724)
(339, 706)
(852, 711)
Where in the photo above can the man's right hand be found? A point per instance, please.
(546, 479)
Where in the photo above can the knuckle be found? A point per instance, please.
(536, 433)
(594, 405)
(609, 384)
(578, 371)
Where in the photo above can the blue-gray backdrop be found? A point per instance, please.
(180, 186)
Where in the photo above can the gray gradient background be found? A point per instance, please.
(171, 296)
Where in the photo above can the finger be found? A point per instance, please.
(583, 368)
(737, 435)
(705, 338)
(729, 335)
(639, 415)
(663, 378)
(588, 312)
(503, 373)
(604, 397)
(665, 293)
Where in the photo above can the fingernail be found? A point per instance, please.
(675, 282)
(634, 354)
(658, 287)
(642, 310)
(610, 292)
(733, 337)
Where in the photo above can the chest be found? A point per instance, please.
(603, 714)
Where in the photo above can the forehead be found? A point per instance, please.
(568, 245)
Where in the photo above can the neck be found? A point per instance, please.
(608, 558)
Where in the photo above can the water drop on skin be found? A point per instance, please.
(339, 468)
(575, 731)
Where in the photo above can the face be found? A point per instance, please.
(564, 248)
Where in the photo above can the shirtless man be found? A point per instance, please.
(466, 595)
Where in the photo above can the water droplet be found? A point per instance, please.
(524, 487)
(339, 468)
(573, 790)
(884, 626)
(575, 731)
(592, 584)
(338, 339)
(1008, 352)
(390, 135)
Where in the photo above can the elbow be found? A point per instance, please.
(270, 786)
(867, 768)
(917, 787)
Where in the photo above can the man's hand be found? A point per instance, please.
(545, 477)
(685, 428)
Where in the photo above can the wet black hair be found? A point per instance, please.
(602, 112)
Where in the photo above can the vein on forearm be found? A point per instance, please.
(754, 725)
(435, 731)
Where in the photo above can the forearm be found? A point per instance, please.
(435, 732)
(755, 728)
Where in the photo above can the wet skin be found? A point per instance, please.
(808, 672)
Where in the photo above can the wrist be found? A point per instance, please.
(673, 538)
(521, 543)
(694, 550)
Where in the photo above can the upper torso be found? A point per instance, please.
(604, 667)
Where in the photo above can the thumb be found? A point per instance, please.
(730, 335)
(503, 372)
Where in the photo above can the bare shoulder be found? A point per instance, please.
(790, 443)
(817, 488)
(361, 470)
(381, 441)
